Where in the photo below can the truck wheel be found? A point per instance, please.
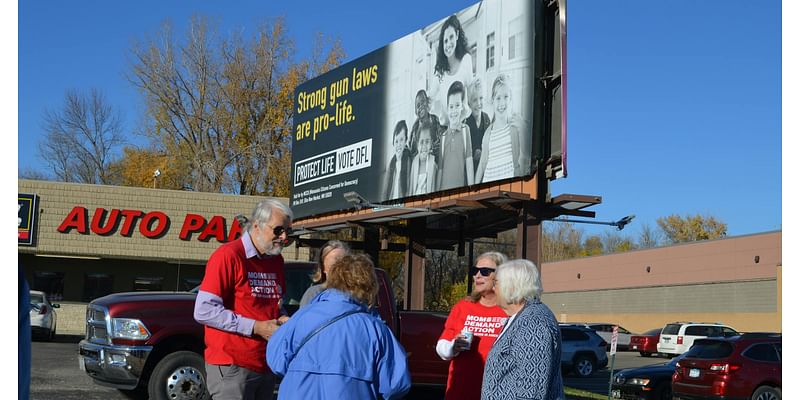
(645, 354)
(179, 376)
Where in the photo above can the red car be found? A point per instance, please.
(646, 343)
(737, 367)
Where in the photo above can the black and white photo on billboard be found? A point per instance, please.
(461, 88)
(446, 107)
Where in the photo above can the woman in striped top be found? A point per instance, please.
(500, 158)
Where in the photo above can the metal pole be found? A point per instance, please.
(611, 377)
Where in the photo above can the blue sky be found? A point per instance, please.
(673, 107)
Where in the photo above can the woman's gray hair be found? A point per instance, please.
(262, 212)
(496, 257)
(519, 281)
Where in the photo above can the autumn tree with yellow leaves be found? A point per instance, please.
(221, 106)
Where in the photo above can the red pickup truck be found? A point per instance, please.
(149, 341)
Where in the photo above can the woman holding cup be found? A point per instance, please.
(470, 331)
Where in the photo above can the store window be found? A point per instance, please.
(148, 283)
(51, 283)
(97, 285)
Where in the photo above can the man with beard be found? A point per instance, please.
(239, 304)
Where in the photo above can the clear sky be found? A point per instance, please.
(673, 107)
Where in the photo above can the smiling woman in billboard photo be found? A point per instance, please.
(396, 173)
(453, 63)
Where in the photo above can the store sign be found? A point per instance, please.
(152, 224)
(26, 218)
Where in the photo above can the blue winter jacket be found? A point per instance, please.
(356, 357)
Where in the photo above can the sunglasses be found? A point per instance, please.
(483, 270)
(280, 230)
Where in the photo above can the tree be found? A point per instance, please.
(81, 138)
(649, 237)
(137, 167)
(224, 105)
(691, 228)
(30, 173)
(561, 241)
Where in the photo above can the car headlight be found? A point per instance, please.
(638, 381)
(126, 328)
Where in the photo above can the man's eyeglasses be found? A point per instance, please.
(483, 270)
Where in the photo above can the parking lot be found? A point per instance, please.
(55, 374)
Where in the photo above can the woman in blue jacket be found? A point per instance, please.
(337, 347)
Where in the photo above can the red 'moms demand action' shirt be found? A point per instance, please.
(466, 369)
(251, 288)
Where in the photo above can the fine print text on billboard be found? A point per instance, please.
(448, 106)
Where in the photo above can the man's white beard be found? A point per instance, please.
(275, 249)
(271, 248)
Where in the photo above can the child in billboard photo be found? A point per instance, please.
(478, 121)
(453, 62)
(422, 109)
(501, 157)
(396, 173)
(423, 167)
(456, 160)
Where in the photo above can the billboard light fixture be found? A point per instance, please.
(619, 224)
(359, 202)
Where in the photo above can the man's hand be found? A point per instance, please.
(282, 320)
(265, 329)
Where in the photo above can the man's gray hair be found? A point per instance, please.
(496, 257)
(519, 281)
(262, 212)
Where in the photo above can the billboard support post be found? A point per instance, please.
(415, 265)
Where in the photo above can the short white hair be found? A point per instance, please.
(519, 281)
(262, 212)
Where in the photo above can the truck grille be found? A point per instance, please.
(97, 324)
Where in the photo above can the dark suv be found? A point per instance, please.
(739, 367)
(583, 351)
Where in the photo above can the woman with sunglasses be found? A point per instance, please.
(331, 252)
(480, 317)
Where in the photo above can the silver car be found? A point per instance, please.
(43, 315)
(583, 351)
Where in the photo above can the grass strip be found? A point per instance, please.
(572, 393)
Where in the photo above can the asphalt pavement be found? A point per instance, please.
(55, 374)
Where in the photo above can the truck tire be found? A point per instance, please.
(179, 376)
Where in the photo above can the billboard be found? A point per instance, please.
(26, 219)
(455, 104)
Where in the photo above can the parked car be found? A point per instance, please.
(149, 343)
(583, 351)
(739, 367)
(43, 316)
(676, 338)
(605, 330)
(651, 382)
(647, 343)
